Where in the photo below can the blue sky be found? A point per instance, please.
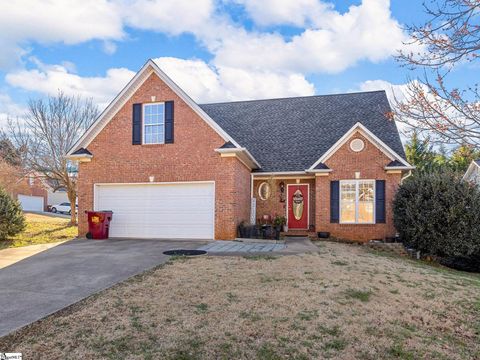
(217, 50)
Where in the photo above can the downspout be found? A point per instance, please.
(406, 177)
(251, 199)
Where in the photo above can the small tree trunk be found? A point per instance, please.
(72, 197)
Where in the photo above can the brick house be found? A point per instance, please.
(171, 168)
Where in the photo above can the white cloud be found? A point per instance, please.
(333, 43)
(76, 21)
(394, 92)
(109, 47)
(69, 22)
(48, 79)
(169, 16)
(245, 64)
(276, 12)
(206, 83)
(8, 108)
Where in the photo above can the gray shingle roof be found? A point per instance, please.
(395, 163)
(290, 134)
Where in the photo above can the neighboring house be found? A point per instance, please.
(473, 172)
(170, 168)
(33, 194)
(37, 193)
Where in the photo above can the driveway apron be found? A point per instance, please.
(53, 279)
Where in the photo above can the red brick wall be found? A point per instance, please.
(273, 206)
(370, 163)
(190, 158)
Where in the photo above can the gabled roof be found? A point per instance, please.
(82, 151)
(474, 165)
(360, 128)
(291, 134)
(149, 68)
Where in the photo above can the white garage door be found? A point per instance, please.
(31, 203)
(159, 211)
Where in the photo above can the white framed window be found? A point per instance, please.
(357, 201)
(154, 123)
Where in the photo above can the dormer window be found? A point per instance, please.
(154, 123)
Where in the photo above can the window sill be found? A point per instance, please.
(356, 223)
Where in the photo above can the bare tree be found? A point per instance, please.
(449, 38)
(50, 128)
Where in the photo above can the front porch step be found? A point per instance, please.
(299, 233)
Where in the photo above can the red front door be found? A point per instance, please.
(297, 206)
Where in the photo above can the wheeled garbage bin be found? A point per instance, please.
(98, 224)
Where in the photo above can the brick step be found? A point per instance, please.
(299, 233)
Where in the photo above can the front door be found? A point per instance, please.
(297, 206)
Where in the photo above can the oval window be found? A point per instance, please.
(357, 145)
(264, 191)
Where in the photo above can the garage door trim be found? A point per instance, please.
(96, 185)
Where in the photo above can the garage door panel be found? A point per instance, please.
(31, 203)
(182, 210)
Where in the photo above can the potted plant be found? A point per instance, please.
(278, 223)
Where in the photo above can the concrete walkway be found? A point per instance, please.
(238, 246)
(62, 275)
(290, 246)
(12, 255)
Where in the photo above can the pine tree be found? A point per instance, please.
(12, 220)
(419, 153)
(462, 157)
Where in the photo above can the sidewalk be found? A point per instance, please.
(12, 255)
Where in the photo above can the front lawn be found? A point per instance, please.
(344, 302)
(42, 229)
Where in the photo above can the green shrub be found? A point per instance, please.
(12, 220)
(439, 214)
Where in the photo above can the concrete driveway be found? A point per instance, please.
(53, 279)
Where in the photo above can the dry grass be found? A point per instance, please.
(296, 307)
(42, 229)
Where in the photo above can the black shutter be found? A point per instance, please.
(380, 201)
(137, 124)
(334, 201)
(168, 122)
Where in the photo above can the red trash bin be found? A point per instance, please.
(98, 224)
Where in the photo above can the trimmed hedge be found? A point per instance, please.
(12, 220)
(439, 214)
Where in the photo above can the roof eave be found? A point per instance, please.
(318, 170)
(243, 154)
(400, 167)
(80, 157)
